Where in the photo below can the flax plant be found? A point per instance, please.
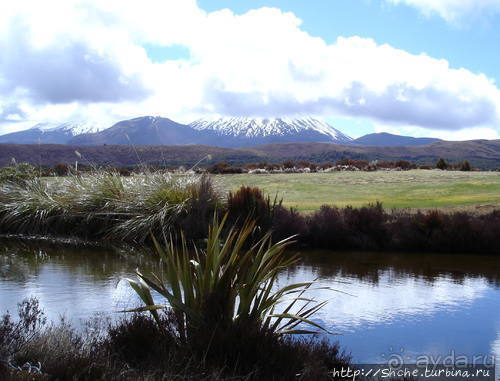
(228, 284)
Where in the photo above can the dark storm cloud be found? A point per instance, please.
(65, 72)
(398, 104)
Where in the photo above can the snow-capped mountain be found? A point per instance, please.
(74, 128)
(155, 130)
(271, 130)
(145, 130)
(53, 133)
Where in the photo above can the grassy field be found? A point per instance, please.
(423, 189)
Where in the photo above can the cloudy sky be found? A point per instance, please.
(417, 67)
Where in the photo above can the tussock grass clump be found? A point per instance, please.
(17, 173)
(107, 205)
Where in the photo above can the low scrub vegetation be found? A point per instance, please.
(289, 166)
(136, 347)
(372, 228)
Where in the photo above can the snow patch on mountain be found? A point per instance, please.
(267, 127)
(72, 128)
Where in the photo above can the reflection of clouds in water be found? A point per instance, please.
(495, 351)
(74, 295)
(391, 297)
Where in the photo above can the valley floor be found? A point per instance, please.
(423, 189)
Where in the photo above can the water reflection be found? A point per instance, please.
(411, 304)
(68, 281)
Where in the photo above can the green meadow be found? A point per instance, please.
(422, 189)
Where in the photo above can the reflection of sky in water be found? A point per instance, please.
(495, 349)
(408, 315)
(400, 311)
(76, 296)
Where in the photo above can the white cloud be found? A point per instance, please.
(453, 10)
(86, 58)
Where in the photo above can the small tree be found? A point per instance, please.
(403, 164)
(441, 164)
(219, 167)
(61, 169)
(465, 166)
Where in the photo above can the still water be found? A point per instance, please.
(407, 305)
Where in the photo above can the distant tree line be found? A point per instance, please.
(19, 171)
(223, 167)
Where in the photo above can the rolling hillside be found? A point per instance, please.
(386, 139)
(481, 153)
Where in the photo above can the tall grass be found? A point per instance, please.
(107, 205)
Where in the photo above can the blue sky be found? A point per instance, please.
(414, 67)
(472, 43)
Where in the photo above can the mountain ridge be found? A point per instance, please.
(387, 139)
(52, 133)
(266, 128)
(223, 132)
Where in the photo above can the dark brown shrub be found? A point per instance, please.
(288, 222)
(403, 164)
(326, 165)
(61, 169)
(326, 228)
(366, 227)
(465, 166)
(124, 171)
(250, 203)
(224, 168)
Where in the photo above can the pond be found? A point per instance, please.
(395, 304)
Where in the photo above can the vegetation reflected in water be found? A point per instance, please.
(423, 303)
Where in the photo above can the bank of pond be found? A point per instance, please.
(114, 209)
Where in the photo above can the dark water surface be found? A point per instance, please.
(398, 304)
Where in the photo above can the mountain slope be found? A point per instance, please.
(234, 132)
(225, 132)
(386, 139)
(146, 130)
(45, 133)
(483, 154)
